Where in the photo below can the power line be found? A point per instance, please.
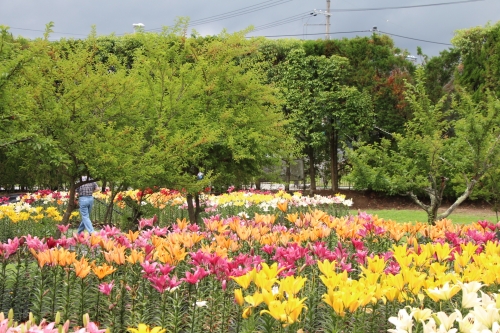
(54, 32)
(244, 10)
(282, 21)
(404, 7)
(239, 12)
(355, 31)
(234, 13)
(315, 34)
(420, 40)
(272, 3)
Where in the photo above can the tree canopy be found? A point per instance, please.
(439, 147)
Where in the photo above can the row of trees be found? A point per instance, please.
(156, 109)
(451, 144)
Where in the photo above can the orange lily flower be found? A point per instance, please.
(135, 256)
(95, 239)
(292, 217)
(265, 219)
(182, 224)
(243, 233)
(82, 267)
(107, 244)
(116, 255)
(65, 257)
(102, 271)
(283, 206)
(132, 236)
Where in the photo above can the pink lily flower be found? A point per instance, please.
(106, 288)
(147, 222)
(63, 228)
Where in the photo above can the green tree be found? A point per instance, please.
(209, 107)
(439, 147)
(440, 73)
(320, 106)
(479, 69)
(84, 113)
(378, 67)
(15, 127)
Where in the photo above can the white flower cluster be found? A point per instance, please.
(483, 315)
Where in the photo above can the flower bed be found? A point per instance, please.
(287, 271)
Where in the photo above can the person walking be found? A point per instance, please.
(86, 201)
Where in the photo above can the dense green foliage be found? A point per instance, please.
(440, 146)
(158, 109)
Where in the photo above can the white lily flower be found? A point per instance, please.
(468, 323)
(443, 329)
(430, 326)
(445, 320)
(421, 315)
(471, 287)
(487, 300)
(494, 329)
(470, 299)
(201, 303)
(403, 322)
(486, 315)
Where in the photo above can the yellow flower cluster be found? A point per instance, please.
(24, 212)
(279, 295)
(426, 272)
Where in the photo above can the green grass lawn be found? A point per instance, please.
(420, 216)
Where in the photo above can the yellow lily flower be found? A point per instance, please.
(143, 328)
(255, 299)
(238, 296)
(244, 280)
(327, 267)
(445, 293)
(291, 284)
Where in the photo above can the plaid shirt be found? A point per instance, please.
(87, 189)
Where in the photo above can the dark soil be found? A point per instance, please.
(374, 200)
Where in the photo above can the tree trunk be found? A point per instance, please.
(69, 209)
(312, 171)
(430, 209)
(197, 209)
(334, 170)
(435, 193)
(109, 211)
(191, 209)
(71, 204)
(287, 176)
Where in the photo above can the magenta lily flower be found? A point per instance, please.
(106, 288)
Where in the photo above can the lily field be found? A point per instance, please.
(257, 262)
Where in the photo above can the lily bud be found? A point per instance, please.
(10, 316)
(86, 319)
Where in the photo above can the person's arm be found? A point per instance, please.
(96, 187)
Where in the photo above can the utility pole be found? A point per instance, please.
(327, 15)
(328, 19)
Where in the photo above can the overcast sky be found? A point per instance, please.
(426, 23)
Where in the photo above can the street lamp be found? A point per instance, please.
(137, 26)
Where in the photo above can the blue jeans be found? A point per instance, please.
(86, 203)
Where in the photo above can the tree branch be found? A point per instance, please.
(459, 200)
(14, 142)
(417, 201)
